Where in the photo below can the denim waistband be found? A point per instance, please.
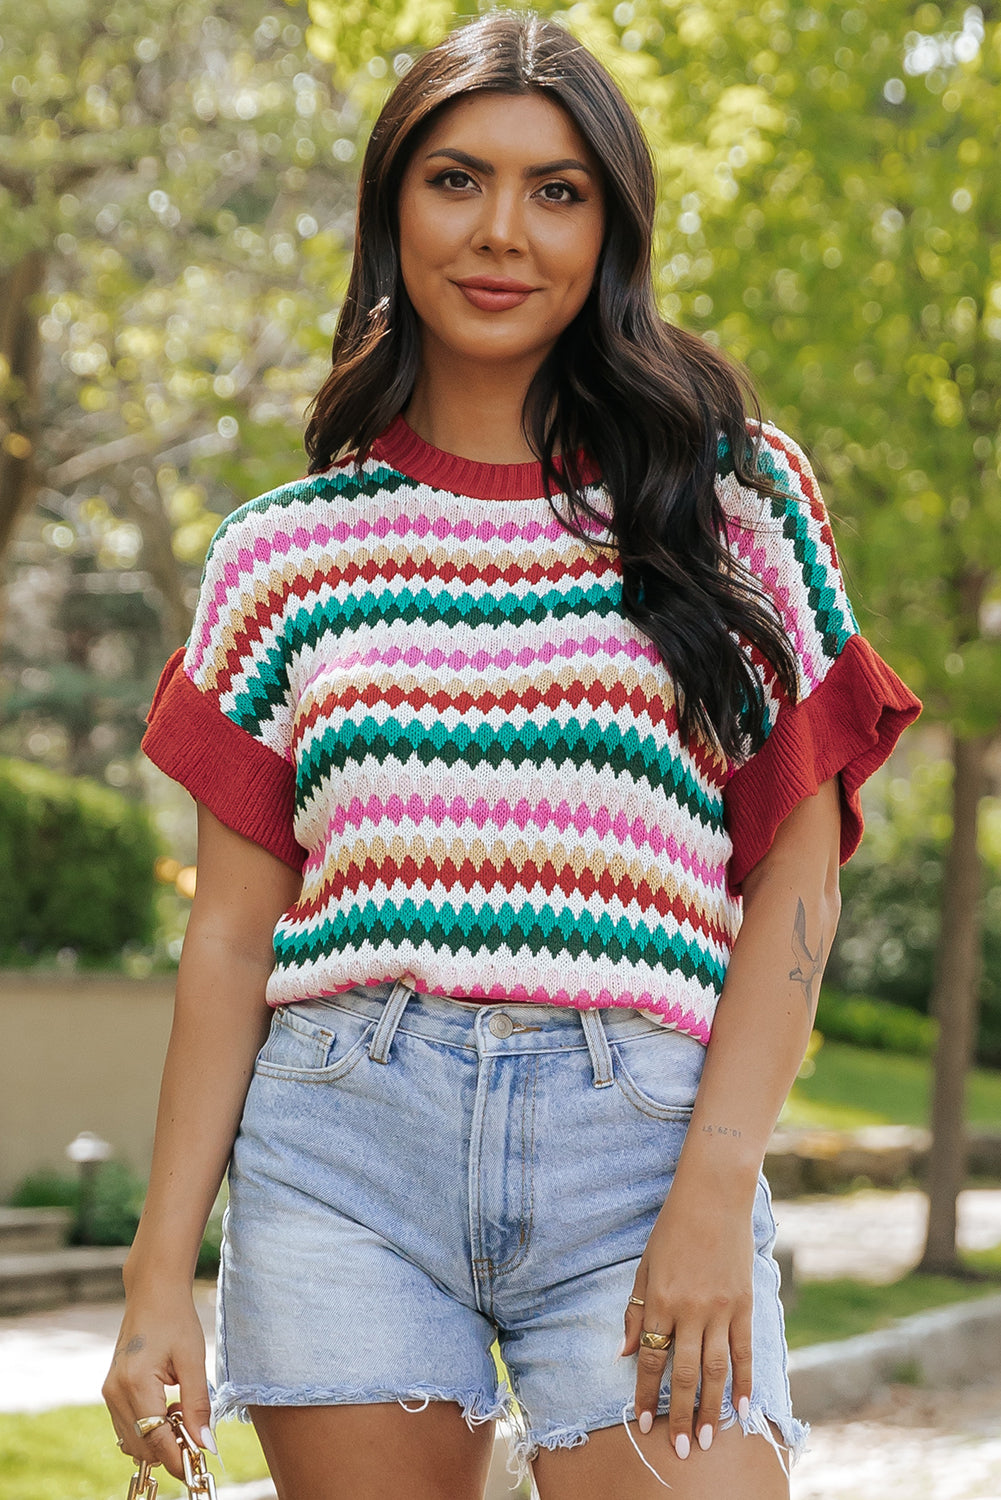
(493, 1028)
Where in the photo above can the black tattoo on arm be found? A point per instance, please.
(728, 1130)
(808, 965)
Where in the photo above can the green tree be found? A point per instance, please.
(176, 192)
(831, 214)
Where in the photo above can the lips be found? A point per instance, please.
(494, 293)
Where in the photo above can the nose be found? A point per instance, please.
(501, 225)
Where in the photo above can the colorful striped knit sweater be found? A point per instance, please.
(416, 685)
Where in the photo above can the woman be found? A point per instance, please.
(532, 715)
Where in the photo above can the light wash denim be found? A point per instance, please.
(415, 1176)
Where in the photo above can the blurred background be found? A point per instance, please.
(177, 187)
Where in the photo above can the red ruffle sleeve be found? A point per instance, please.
(246, 785)
(848, 725)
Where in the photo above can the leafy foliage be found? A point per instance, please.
(186, 173)
(874, 1023)
(114, 1209)
(891, 890)
(76, 866)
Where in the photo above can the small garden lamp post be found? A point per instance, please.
(88, 1151)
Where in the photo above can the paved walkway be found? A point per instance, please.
(877, 1236)
(908, 1445)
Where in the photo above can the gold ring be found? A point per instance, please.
(637, 1301)
(655, 1340)
(145, 1425)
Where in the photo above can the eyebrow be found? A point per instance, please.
(565, 164)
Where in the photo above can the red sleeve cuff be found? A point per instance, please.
(849, 724)
(246, 785)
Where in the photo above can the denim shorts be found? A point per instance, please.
(415, 1177)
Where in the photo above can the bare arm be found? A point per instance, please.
(695, 1276)
(220, 1021)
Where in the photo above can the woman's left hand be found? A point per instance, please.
(694, 1279)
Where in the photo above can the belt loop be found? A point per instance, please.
(392, 1014)
(597, 1045)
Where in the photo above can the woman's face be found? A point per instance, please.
(501, 218)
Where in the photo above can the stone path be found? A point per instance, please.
(908, 1445)
(876, 1236)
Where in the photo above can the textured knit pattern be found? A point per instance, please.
(479, 752)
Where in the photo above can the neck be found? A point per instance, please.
(471, 409)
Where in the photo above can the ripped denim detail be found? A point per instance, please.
(481, 1406)
(526, 1444)
(757, 1423)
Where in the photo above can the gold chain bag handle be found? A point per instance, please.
(197, 1479)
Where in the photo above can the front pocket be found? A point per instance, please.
(314, 1044)
(659, 1072)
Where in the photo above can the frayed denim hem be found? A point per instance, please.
(757, 1424)
(526, 1441)
(481, 1406)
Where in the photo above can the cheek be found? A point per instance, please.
(580, 263)
(426, 235)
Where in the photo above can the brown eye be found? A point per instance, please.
(568, 193)
(448, 179)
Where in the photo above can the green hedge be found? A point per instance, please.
(76, 867)
(115, 1208)
(892, 890)
(874, 1023)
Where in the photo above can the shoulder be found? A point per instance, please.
(300, 511)
(786, 488)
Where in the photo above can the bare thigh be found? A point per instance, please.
(606, 1468)
(374, 1451)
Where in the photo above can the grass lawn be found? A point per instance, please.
(70, 1454)
(842, 1308)
(853, 1086)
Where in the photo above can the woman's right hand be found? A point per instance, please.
(160, 1344)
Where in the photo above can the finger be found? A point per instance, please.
(195, 1406)
(685, 1370)
(160, 1445)
(633, 1321)
(741, 1362)
(118, 1397)
(650, 1367)
(715, 1368)
(632, 1318)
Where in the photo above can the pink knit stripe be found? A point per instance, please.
(670, 1011)
(440, 812)
(435, 660)
(755, 557)
(244, 571)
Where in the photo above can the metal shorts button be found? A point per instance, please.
(501, 1025)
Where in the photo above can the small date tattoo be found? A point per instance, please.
(729, 1130)
(808, 965)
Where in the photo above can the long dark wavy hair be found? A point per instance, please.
(647, 400)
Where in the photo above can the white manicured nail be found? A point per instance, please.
(705, 1437)
(208, 1441)
(645, 1421)
(743, 1408)
(682, 1445)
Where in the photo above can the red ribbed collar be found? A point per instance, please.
(401, 448)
